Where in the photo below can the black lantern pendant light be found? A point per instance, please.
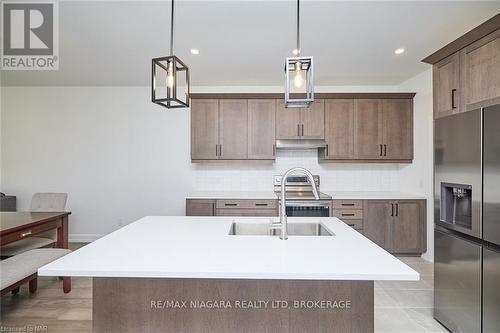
(299, 86)
(170, 77)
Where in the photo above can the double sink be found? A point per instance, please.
(263, 229)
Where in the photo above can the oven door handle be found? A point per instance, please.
(307, 204)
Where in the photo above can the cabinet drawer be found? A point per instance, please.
(20, 234)
(247, 212)
(348, 214)
(355, 224)
(251, 204)
(348, 204)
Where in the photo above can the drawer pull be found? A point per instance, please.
(231, 204)
(348, 214)
(347, 204)
(351, 224)
(27, 233)
(261, 204)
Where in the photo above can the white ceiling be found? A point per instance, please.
(245, 42)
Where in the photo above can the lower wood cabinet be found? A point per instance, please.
(231, 207)
(378, 217)
(200, 207)
(409, 227)
(399, 226)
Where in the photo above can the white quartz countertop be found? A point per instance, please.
(200, 247)
(233, 195)
(339, 195)
(372, 195)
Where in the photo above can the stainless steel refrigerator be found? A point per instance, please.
(467, 221)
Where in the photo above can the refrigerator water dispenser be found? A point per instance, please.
(456, 204)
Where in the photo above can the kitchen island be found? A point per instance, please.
(188, 274)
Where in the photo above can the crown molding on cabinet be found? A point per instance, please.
(470, 37)
(372, 95)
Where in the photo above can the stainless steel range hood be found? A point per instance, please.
(300, 144)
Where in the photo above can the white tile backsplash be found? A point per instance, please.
(258, 175)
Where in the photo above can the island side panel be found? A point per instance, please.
(139, 305)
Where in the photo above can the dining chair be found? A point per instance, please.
(40, 202)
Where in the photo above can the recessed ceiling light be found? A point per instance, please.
(195, 51)
(399, 51)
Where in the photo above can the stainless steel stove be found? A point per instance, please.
(300, 200)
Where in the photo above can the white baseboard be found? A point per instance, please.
(83, 238)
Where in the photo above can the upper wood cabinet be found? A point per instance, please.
(481, 72)
(368, 129)
(466, 72)
(397, 129)
(359, 130)
(233, 123)
(232, 129)
(446, 76)
(287, 122)
(261, 129)
(339, 129)
(204, 129)
(313, 120)
(300, 123)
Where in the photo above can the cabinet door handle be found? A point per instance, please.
(385, 149)
(380, 149)
(27, 233)
(298, 129)
(261, 204)
(348, 214)
(453, 91)
(392, 209)
(274, 149)
(220, 149)
(397, 209)
(231, 204)
(302, 129)
(327, 152)
(347, 204)
(213, 209)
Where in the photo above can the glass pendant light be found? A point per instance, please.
(299, 86)
(170, 77)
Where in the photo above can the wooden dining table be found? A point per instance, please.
(15, 226)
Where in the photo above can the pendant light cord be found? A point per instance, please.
(172, 29)
(298, 27)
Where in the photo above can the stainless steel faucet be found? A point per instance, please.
(283, 225)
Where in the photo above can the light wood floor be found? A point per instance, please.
(402, 307)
